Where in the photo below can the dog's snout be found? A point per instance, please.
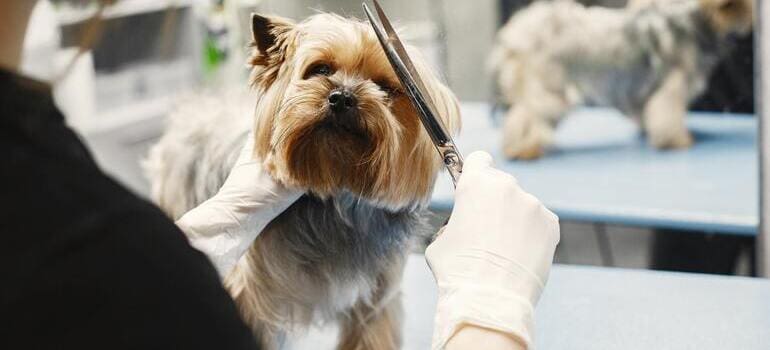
(341, 100)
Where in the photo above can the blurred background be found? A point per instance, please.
(152, 52)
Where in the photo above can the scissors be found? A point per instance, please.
(416, 91)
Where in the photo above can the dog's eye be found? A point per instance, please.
(319, 69)
(387, 88)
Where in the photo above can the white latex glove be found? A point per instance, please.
(225, 225)
(493, 258)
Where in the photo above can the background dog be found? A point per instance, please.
(330, 117)
(648, 60)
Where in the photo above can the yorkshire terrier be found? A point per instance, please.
(648, 60)
(332, 118)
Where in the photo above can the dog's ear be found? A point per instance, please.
(273, 38)
(268, 31)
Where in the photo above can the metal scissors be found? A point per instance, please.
(416, 91)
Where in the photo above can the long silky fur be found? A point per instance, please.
(315, 260)
(337, 253)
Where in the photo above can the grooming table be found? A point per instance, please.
(601, 170)
(605, 308)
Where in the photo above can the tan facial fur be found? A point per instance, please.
(379, 151)
(727, 16)
(730, 16)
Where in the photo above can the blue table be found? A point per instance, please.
(601, 170)
(602, 308)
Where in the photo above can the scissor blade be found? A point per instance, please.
(400, 50)
(416, 91)
(413, 85)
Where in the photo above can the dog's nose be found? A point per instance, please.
(341, 100)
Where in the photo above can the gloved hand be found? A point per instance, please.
(225, 225)
(493, 257)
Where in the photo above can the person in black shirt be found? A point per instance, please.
(84, 262)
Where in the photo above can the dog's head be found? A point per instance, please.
(729, 17)
(333, 116)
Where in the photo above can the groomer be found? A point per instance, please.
(85, 263)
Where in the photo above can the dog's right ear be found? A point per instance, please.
(270, 34)
(273, 43)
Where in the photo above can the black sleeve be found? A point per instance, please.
(128, 281)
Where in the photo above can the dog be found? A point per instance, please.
(648, 60)
(331, 117)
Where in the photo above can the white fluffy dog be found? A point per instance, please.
(648, 60)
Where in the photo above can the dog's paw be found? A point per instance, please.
(526, 138)
(529, 152)
(676, 141)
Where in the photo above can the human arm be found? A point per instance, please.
(224, 226)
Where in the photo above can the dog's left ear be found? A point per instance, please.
(270, 34)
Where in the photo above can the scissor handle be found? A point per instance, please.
(452, 160)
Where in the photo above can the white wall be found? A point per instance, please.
(471, 31)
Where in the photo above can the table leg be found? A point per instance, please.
(603, 241)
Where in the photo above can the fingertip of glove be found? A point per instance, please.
(478, 159)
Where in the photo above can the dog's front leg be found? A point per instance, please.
(527, 131)
(666, 111)
(375, 325)
(538, 105)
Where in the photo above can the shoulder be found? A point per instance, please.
(124, 273)
(52, 205)
(129, 277)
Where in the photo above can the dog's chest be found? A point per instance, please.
(344, 233)
(336, 250)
